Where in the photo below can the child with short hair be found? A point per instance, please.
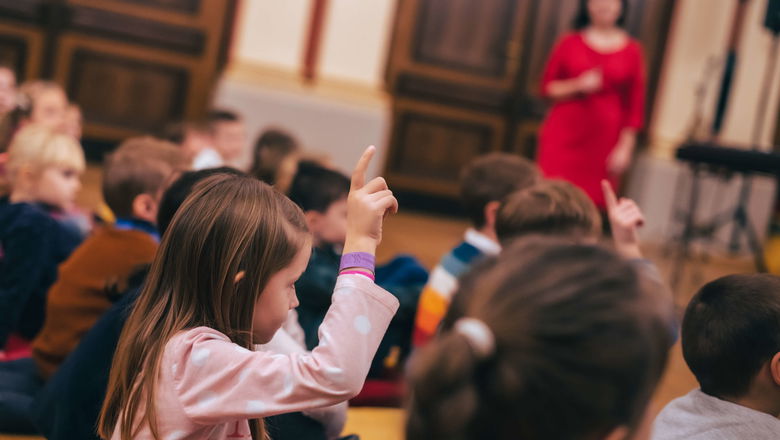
(322, 195)
(731, 343)
(484, 183)
(44, 169)
(554, 343)
(134, 178)
(223, 281)
(550, 207)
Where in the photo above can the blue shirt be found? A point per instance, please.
(32, 245)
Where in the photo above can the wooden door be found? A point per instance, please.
(132, 65)
(464, 76)
(452, 68)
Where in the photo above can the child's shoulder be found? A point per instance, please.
(25, 216)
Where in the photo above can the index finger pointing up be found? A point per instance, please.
(609, 195)
(359, 175)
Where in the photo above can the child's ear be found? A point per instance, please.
(313, 219)
(145, 208)
(491, 211)
(774, 368)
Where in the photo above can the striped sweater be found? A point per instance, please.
(443, 282)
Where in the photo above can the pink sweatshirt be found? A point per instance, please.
(208, 387)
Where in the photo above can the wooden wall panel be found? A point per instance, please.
(431, 142)
(21, 47)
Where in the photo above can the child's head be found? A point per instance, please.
(229, 134)
(191, 137)
(228, 260)
(562, 348)
(322, 195)
(275, 158)
(550, 207)
(488, 180)
(7, 89)
(45, 166)
(731, 337)
(45, 104)
(134, 176)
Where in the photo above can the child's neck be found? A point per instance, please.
(20, 195)
(765, 402)
(489, 232)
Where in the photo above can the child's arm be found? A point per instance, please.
(625, 218)
(216, 381)
(25, 252)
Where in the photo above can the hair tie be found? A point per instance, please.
(478, 334)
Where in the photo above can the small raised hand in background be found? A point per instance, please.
(625, 219)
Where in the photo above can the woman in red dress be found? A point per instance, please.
(596, 78)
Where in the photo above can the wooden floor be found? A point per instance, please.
(428, 237)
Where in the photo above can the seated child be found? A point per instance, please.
(322, 195)
(483, 184)
(554, 343)
(134, 178)
(229, 135)
(731, 343)
(222, 282)
(275, 159)
(69, 404)
(44, 170)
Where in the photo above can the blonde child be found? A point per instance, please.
(44, 170)
(222, 281)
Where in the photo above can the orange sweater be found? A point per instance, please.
(78, 297)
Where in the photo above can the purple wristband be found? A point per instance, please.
(363, 260)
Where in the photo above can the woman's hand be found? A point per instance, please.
(590, 81)
(367, 205)
(619, 160)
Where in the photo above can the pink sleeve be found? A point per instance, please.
(635, 108)
(217, 381)
(553, 70)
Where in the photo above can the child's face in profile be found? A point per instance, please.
(58, 186)
(278, 297)
(73, 122)
(330, 227)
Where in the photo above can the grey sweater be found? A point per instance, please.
(698, 416)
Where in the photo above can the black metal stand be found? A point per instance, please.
(738, 216)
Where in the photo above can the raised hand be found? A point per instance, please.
(625, 218)
(367, 205)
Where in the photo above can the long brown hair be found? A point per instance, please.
(577, 353)
(229, 224)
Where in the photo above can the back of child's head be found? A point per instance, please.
(272, 148)
(140, 165)
(228, 225)
(491, 178)
(178, 191)
(316, 188)
(567, 351)
(550, 207)
(37, 147)
(731, 329)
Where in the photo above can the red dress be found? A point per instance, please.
(580, 132)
